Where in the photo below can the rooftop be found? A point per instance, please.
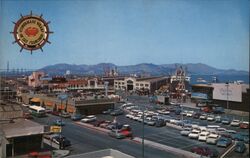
(21, 127)
(106, 153)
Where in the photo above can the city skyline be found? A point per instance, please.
(132, 32)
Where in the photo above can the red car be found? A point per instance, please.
(205, 151)
(244, 125)
(207, 109)
(126, 133)
(55, 113)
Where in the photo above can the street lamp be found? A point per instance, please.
(62, 97)
(227, 84)
(143, 133)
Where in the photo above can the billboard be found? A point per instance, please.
(230, 92)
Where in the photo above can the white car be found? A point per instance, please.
(129, 116)
(203, 117)
(194, 134)
(190, 113)
(210, 117)
(89, 118)
(235, 123)
(221, 130)
(184, 113)
(164, 112)
(203, 136)
(212, 138)
(186, 131)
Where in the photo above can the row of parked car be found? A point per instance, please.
(218, 119)
(217, 136)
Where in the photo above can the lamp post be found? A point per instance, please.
(62, 97)
(227, 84)
(143, 133)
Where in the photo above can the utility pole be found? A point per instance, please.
(143, 133)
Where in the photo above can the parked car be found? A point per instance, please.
(224, 142)
(205, 151)
(177, 111)
(190, 113)
(76, 117)
(203, 116)
(244, 125)
(56, 113)
(225, 121)
(196, 115)
(104, 124)
(218, 110)
(194, 134)
(59, 139)
(149, 121)
(64, 115)
(238, 137)
(186, 131)
(89, 118)
(107, 111)
(210, 118)
(160, 123)
(212, 138)
(217, 119)
(231, 131)
(97, 123)
(207, 109)
(221, 130)
(59, 123)
(235, 123)
(240, 147)
(114, 126)
(163, 112)
(203, 136)
(116, 112)
(116, 134)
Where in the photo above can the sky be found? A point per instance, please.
(128, 32)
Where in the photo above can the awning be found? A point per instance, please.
(35, 100)
(199, 95)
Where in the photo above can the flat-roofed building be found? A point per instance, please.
(132, 83)
(20, 137)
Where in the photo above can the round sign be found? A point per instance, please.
(31, 32)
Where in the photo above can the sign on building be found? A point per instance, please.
(55, 129)
(230, 92)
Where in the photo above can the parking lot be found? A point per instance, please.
(165, 135)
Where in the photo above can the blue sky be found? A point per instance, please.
(125, 32)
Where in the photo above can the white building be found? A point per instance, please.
(132, 83)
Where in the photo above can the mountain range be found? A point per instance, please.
(139, 69)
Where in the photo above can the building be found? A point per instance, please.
(18, 136)
(85, 105)
(133, 83)
(34, 79)
(234, 96)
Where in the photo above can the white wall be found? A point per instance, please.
(234, 92)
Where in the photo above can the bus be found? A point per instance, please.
(37, 111)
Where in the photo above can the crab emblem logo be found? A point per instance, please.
(31, 32)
